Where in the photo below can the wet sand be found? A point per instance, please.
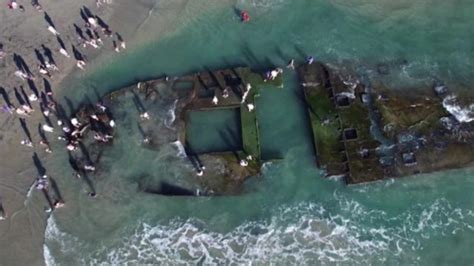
(22, 233)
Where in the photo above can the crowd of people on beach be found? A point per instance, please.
(91, 34)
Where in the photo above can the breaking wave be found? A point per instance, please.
(171, 115)
(179, 146)
(306, 233)
(462, 114)
(48, 258)
(58, 241)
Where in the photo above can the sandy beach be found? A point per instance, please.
(21, 33)
(22, 232)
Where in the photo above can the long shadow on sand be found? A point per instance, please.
(38, 164)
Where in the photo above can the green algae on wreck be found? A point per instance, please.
(420, 135)
(345, 117)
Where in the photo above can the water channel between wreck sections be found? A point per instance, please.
(360, 132)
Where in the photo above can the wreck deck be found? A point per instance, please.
(340, 116)
(416, 134)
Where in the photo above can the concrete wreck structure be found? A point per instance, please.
(368, 134)
(360, 132)
(221, 170)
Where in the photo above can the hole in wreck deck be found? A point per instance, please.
(350, 134)
(342, 101)
(214, 130)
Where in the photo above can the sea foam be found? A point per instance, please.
(462, 114)
(179, 146)
(171, 115)
(305, 233)
(48, 258)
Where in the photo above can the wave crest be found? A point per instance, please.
(306, 233)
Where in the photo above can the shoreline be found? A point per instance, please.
(26, 219)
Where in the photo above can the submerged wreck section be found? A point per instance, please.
(213, 122)
(367, 134)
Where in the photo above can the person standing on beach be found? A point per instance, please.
(45, 143)
(81, 64)
(27, 143)
(43, 70)
(14, 5)
(116, 47)
(51, 65)
(121, 41)
(92, 22)
(3, 215)
(21, 74)
(2, 52)
(8, 108)
(36, 4)
(64, 52)
(53, 30)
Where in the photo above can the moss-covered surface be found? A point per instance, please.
(250, 136)
(256, 79)
(453, 156)
(364, 170)
(418, 112)
(250, 131)
(324, 120)
(325, 126)
(361, 169)
(356, 117)
(335, 154)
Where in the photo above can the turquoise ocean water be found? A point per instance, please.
(290, 214)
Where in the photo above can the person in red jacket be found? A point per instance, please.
(244, 15)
